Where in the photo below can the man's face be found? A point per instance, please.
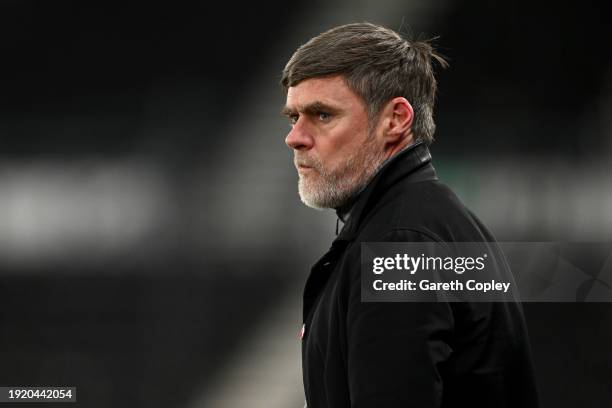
(334, 152)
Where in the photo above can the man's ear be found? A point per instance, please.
(399, 116)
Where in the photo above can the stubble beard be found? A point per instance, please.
(322, 188)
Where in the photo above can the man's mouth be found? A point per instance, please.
(301, 165)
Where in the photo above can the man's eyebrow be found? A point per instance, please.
(311, 109)
(287, 111)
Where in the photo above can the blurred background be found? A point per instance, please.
(152, 244)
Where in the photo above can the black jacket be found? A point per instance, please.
(386, 355)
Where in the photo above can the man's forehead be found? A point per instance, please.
(331, 91)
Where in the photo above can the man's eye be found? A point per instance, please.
(293, 119)
(324, 116)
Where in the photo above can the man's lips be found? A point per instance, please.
(302, 166)
(303, 170)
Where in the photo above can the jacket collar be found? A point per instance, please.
(411, 164)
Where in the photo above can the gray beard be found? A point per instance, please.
(334, 189)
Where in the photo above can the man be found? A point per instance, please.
(360, 101)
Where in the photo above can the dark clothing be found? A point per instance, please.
(386, 355)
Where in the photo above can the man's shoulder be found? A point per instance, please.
(427, 210)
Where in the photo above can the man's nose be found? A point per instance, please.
(298, 138)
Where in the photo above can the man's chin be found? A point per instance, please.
(310, 199)
(321, 198)
(312, 204)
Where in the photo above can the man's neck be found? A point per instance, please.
(344, 211)
(408, 140)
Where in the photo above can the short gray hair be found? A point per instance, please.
(377, 64)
